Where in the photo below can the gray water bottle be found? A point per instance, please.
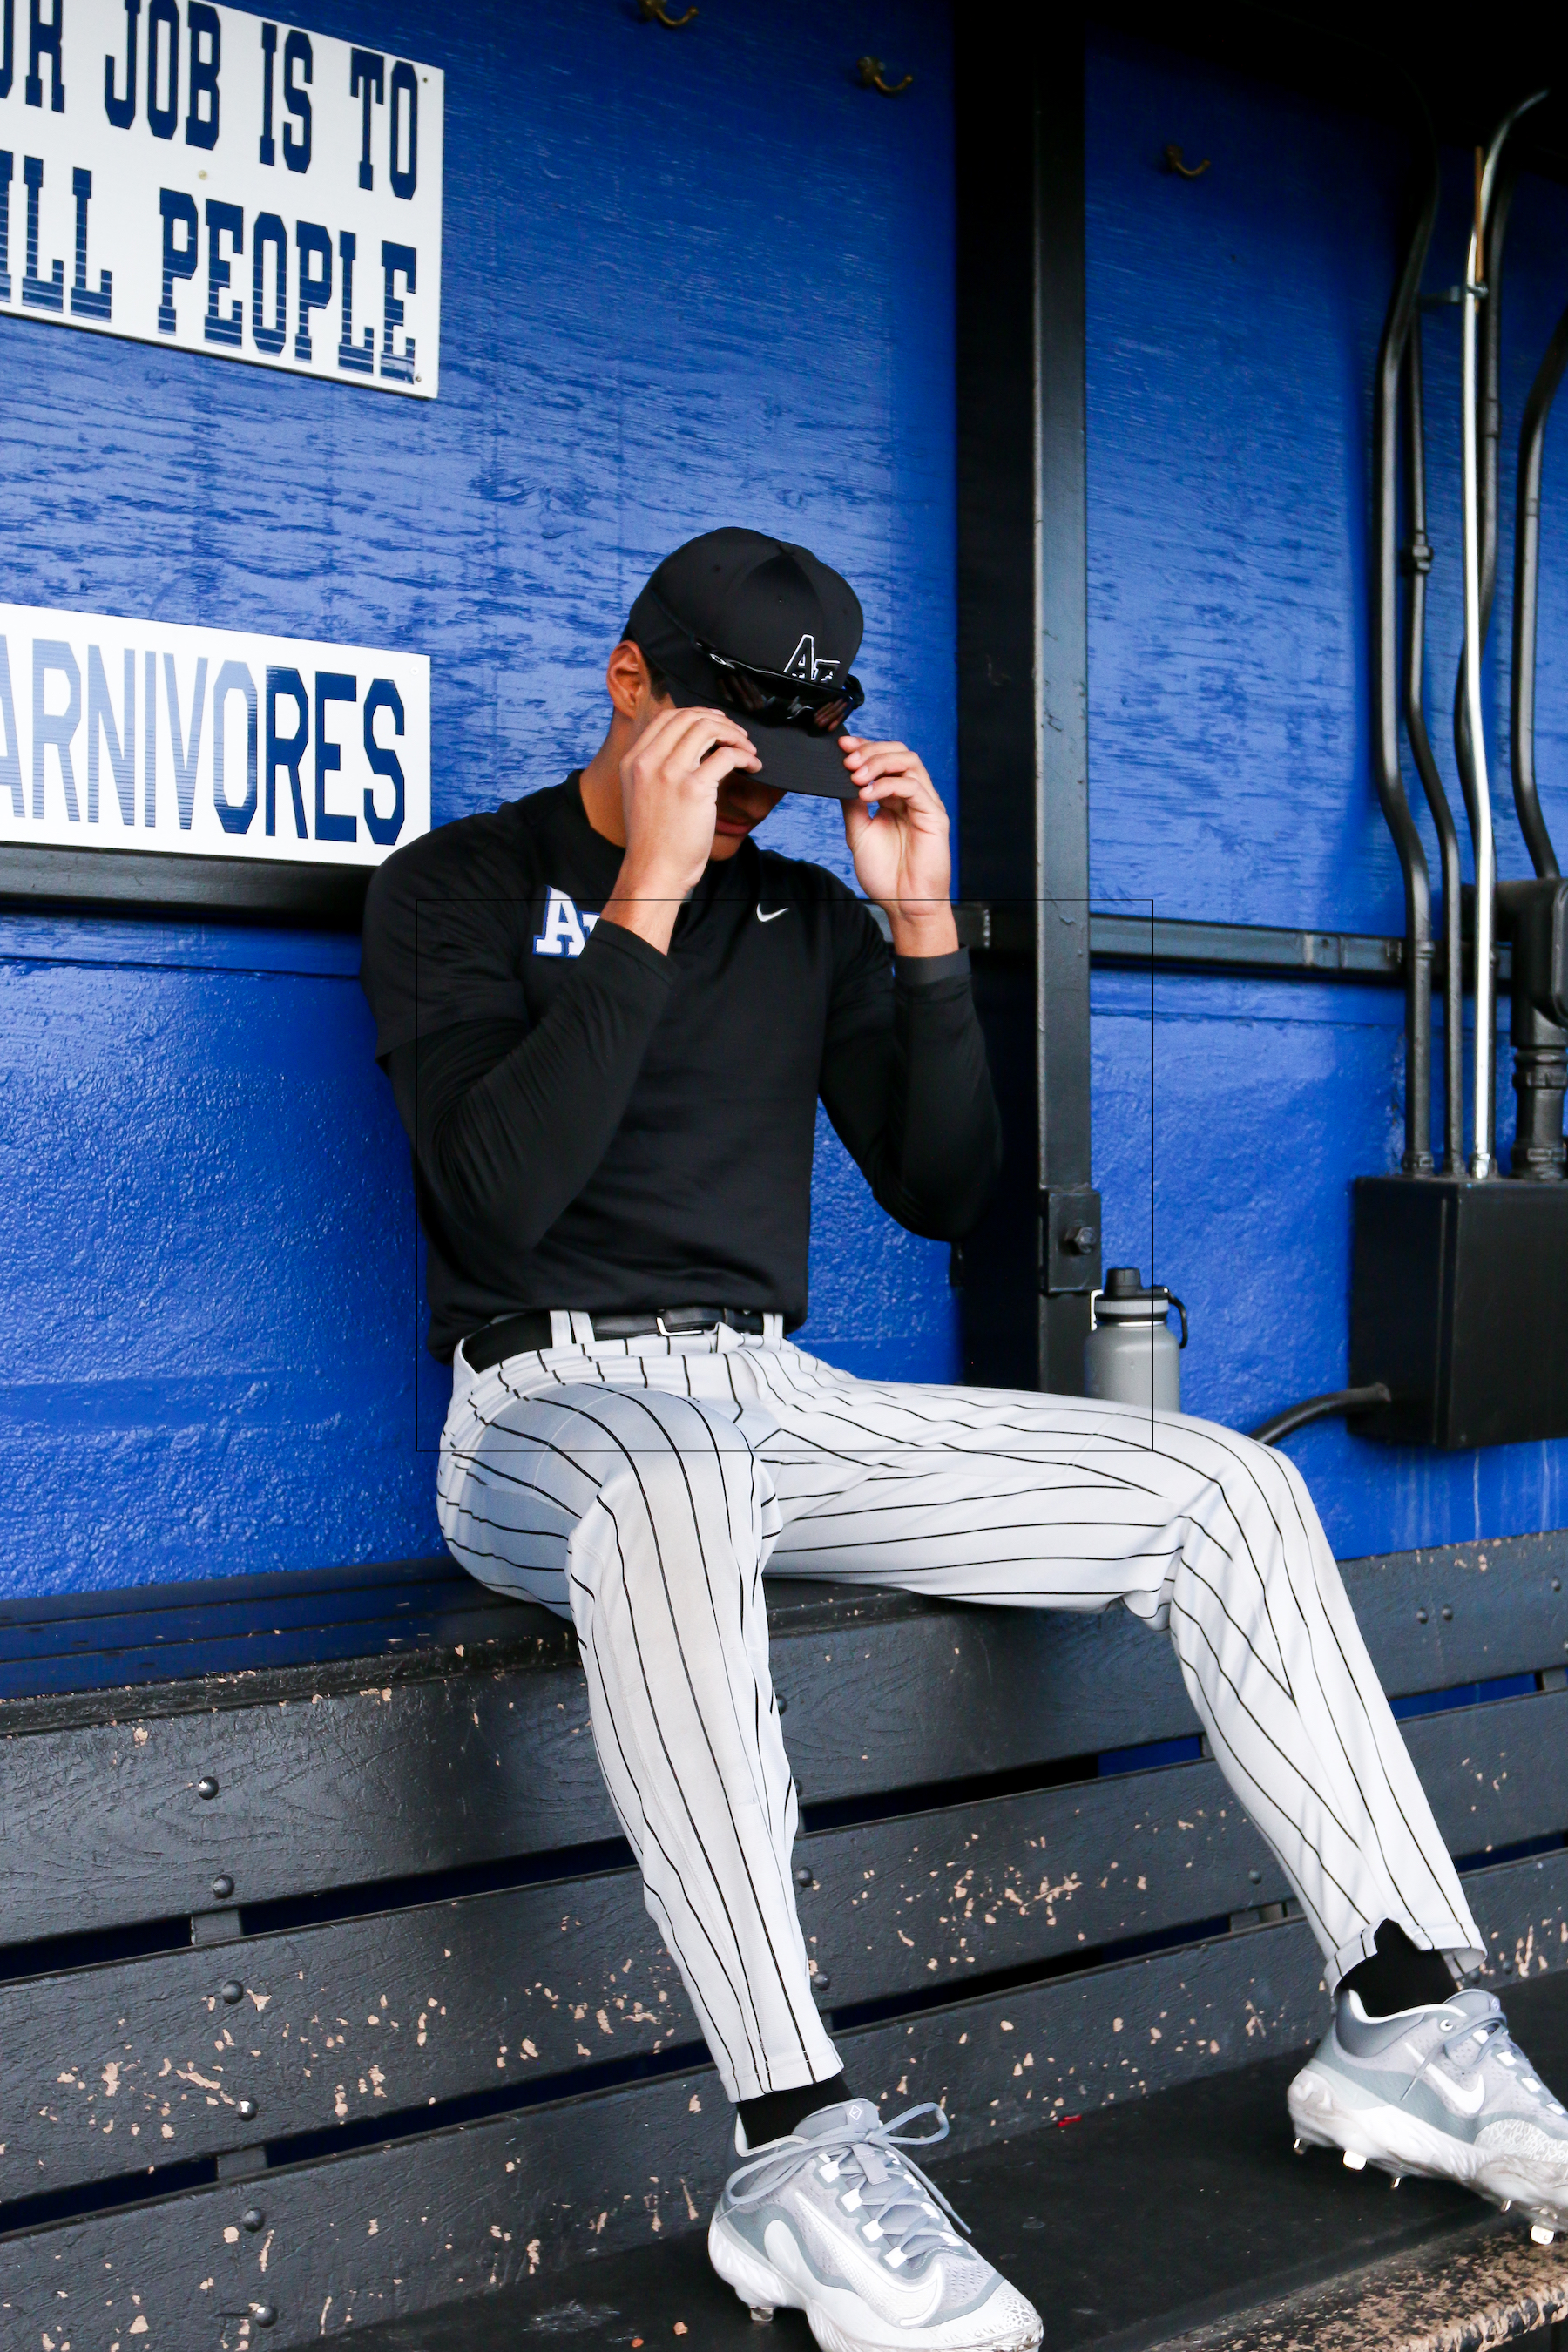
(1132, 1354)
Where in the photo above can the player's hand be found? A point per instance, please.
(669, 784)
(903, 859)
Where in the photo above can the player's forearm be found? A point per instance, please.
(509, 1126)
(945, 1132)
(921, 928)
(645, 900)
(912, 1100)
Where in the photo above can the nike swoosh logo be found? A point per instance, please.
(1465, 2099)
(909, 2306)
(772, 914)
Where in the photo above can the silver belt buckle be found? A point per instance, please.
(681, 1331)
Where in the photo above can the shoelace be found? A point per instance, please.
(892, 2190)
(1478, 2036)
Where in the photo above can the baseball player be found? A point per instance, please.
(608, 1016)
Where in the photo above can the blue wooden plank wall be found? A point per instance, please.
(1233, 325)
(688, 277)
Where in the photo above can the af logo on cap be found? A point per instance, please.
(804, 663)
(714, 620)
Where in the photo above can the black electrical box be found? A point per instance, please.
(1459, 1304)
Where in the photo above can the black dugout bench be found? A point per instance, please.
(328, 1999)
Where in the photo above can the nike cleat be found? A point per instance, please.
(1443, 2092)
(835, 2221)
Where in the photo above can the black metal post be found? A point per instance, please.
(1023, 684)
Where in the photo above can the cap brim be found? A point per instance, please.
(793, 761)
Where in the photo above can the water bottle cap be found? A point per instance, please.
(1125, 1300)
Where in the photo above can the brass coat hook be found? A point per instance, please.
(873, 77)
(1172, 159)
(654, 12)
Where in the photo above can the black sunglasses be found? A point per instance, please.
(771, 697)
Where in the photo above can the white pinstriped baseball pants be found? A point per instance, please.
(644, 1485)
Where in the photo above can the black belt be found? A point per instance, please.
(518, 1335)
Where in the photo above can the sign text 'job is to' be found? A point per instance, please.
(222, 182)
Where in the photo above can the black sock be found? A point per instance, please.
(1400, 1977)
(777, 2113)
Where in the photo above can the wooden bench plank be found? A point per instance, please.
(75, 1642)
(147, 2062)
(326, 1781)
(218, 1625)
(1507, 1604)
(1496, 1775)
(1017, 1880)
(105, 1825)
(142, 2061)
(323, 1782)
(460, 2211)
(1077, 2042)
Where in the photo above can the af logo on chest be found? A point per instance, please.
(567, 927)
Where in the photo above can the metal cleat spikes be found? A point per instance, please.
(1506, 2205)
(1395, 2179)
(1355, 2163)
(1300, 2147)
(762, 2313)
(1539, 2234)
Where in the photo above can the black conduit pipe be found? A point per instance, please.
(1319, 1408)
(1417, 1160)
(1489, 440)
(1490, 425)
(1419, 562)
(1488, 436)
(1526, 577)
(1540, 1046)
(1481, 431)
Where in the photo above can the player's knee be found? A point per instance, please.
(1272, 1478)
(675, 1482)
(1265, 1502)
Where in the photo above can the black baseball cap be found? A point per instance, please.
(761, 628)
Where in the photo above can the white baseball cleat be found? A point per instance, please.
(1443, 2091)
(835, 2221)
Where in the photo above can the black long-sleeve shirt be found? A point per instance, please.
(598, 1125)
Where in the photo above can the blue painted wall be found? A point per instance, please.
(1232, 326)
(688, 279)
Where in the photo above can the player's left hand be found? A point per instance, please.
(903, 859)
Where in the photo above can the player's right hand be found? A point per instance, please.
(669, 783)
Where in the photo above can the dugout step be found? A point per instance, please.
(1184, 2223)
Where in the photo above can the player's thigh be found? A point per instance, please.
(1016, 1496)
(522, 1469)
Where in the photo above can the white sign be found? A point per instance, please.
(133, 735)
(191, 174)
